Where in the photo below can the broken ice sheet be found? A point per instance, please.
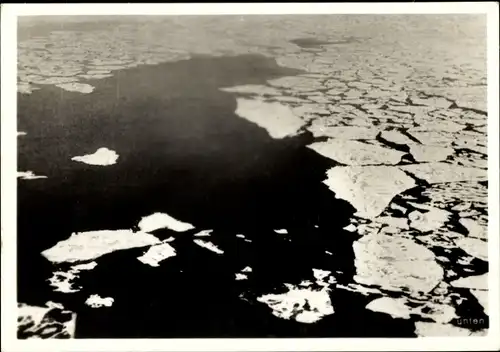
(161, 220)
(432, 219)
(477, 282)
(395, 307)
(304, 305)
(252, 89)
(89, 245)
(209, 245)
(62, 281)
(369, 189)
(395, 264)
(342, 132)
(102, 157)
(474, 228)
(35, 322)
(277, 119)
(429, 153)
(356, 153)
(474, 247)
(443, 172)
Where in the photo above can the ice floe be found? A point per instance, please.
(304, 305)
(474, 228)
(102, 157)
(89, 245)
(396, 137)
(277, 119)
(240, 277)
(252, 89)
(474, 247)
(161, 220)
(36, 322)
(26, 88)
(431, 220)
(209, 245)
(157, 253)
(62, 281)
(369, 189)
(444, 172)
(356, 153)
(76, 87)
(203, 233)
(400, 223)
(20, 133)
(430, 153)
(482, 298)
(281, 231)
(477, 282)
(395, 263)
(395, 307)
(28, 175)
(95, 301)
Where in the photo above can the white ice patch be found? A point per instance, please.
(430, 153)
(77, 87)
(209, 245)
(156, 254)
(20, 133)
(240, 277)
(252, 89)
(292, 304)
(431, 220)
(62, 281)
(28, 175)
(343, 132)
(89, 245)
(161, 220)
(277, 119)
(350, 228)
(95, 301)
(396, 137)
(281, 231)
(474, 247)
(401, 223)
(482, 298)
(395, 307)
(356, 153)
(102, 157)
(443, 172)
(369, 189)
(395, 263)
(246, 269)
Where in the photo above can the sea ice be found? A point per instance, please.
(161, 220)
(102, 157)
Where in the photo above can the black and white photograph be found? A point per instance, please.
(251, 175)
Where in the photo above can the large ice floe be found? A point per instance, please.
(161, 220)
(356, 153)
(444, 172)
(102, 157)
(277, 119)
(76, 87)
(369, 189)
(82, 246)
(395, 264)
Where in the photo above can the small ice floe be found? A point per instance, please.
(25, 88)
(102, 157)
(431, 220)
(54, 305)
(474, 247)
(328, 252)
(240, 235)
(395, 307)
(354, 287)
(430, 153)
(28, 175)
(161, 220)
(95, 301)
(356, 153)
(350, 228)
(277, 119)
(62, 281)
(396, 137)
(76, 87)
(444, 172)
(240, 277)
(342, 132)
(20, 133)
(395, 264)
(90, 245)
(56, 80)
(281, 231)
(400, 223)
(427, 329)
(477, 282)
(246, 269)
(323, 277)
(304, 305)
(462, 206)
(156, 254)
(482, 298)
(95, 76)
(204, 233)
(369, 189)
(208, 245)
